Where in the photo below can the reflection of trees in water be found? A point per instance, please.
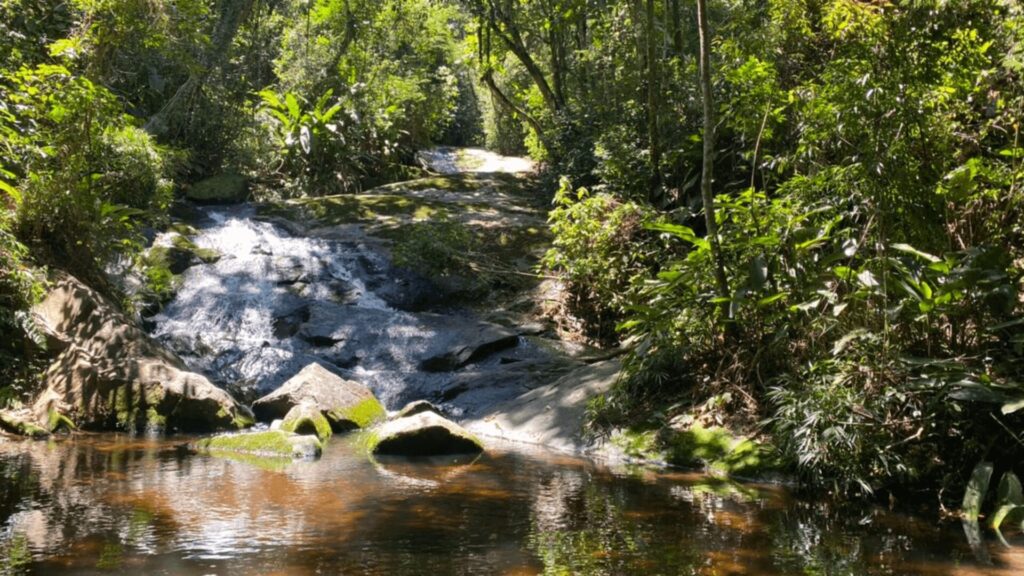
(145, 506)
(50, 505)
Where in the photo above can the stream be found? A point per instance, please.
(113, 504)
(280, 298)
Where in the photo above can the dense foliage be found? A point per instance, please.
(858, 301)
(107, 106)
(868, 169)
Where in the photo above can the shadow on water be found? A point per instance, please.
(116, 504)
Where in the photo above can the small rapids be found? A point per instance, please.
(276, 302)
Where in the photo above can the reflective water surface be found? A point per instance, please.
(114, 504)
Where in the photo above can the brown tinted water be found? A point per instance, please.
(113, 504)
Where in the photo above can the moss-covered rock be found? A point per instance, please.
(345, 403)
(423, 434)
(220, 189)
(720, 450)
(271, 443)
(21, 425)
(57, 422)
(307, 419)
(364, 414)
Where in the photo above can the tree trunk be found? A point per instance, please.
(232, 13)
(677, 27)
(707, 173)
(652, 103)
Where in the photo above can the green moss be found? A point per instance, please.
(716, 449)
(21, 427)
(271, 443)
(313, 421)
(111, 557)
(240, 419)
(183, 229)
(56, 421)
(205, 255)
(155, 420)
(362, 415)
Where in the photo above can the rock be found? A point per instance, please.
(21, 424)
(181, 255)
(220, 189)
(416, 407)
(288, 324)
(171, 257)
(345, 403)
(552, 415)
(113, 375)
(272, 443)
(470, 345)
(423, 434)
(305, 419)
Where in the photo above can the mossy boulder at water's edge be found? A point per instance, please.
(345, 403)
(422, 434)
(716, 449)
(271, 443)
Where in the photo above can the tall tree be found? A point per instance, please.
(707, 173)
(231, 15)
(653, 83)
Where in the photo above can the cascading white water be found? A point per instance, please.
(275, 302)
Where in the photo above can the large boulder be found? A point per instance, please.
(110, 374)
(346, 404)
(423, 434)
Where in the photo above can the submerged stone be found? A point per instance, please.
(345, 403)
(423, 434)
(272, 443)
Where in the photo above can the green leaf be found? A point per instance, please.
(293, 106)
(772, 299)
(977, 486)
(330, 113)
(270, 98)
(1014, 406)
(1002, 513)
(10, 191)
(908, 249)
(1010, 491)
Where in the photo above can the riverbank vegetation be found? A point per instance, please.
(802, 218)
